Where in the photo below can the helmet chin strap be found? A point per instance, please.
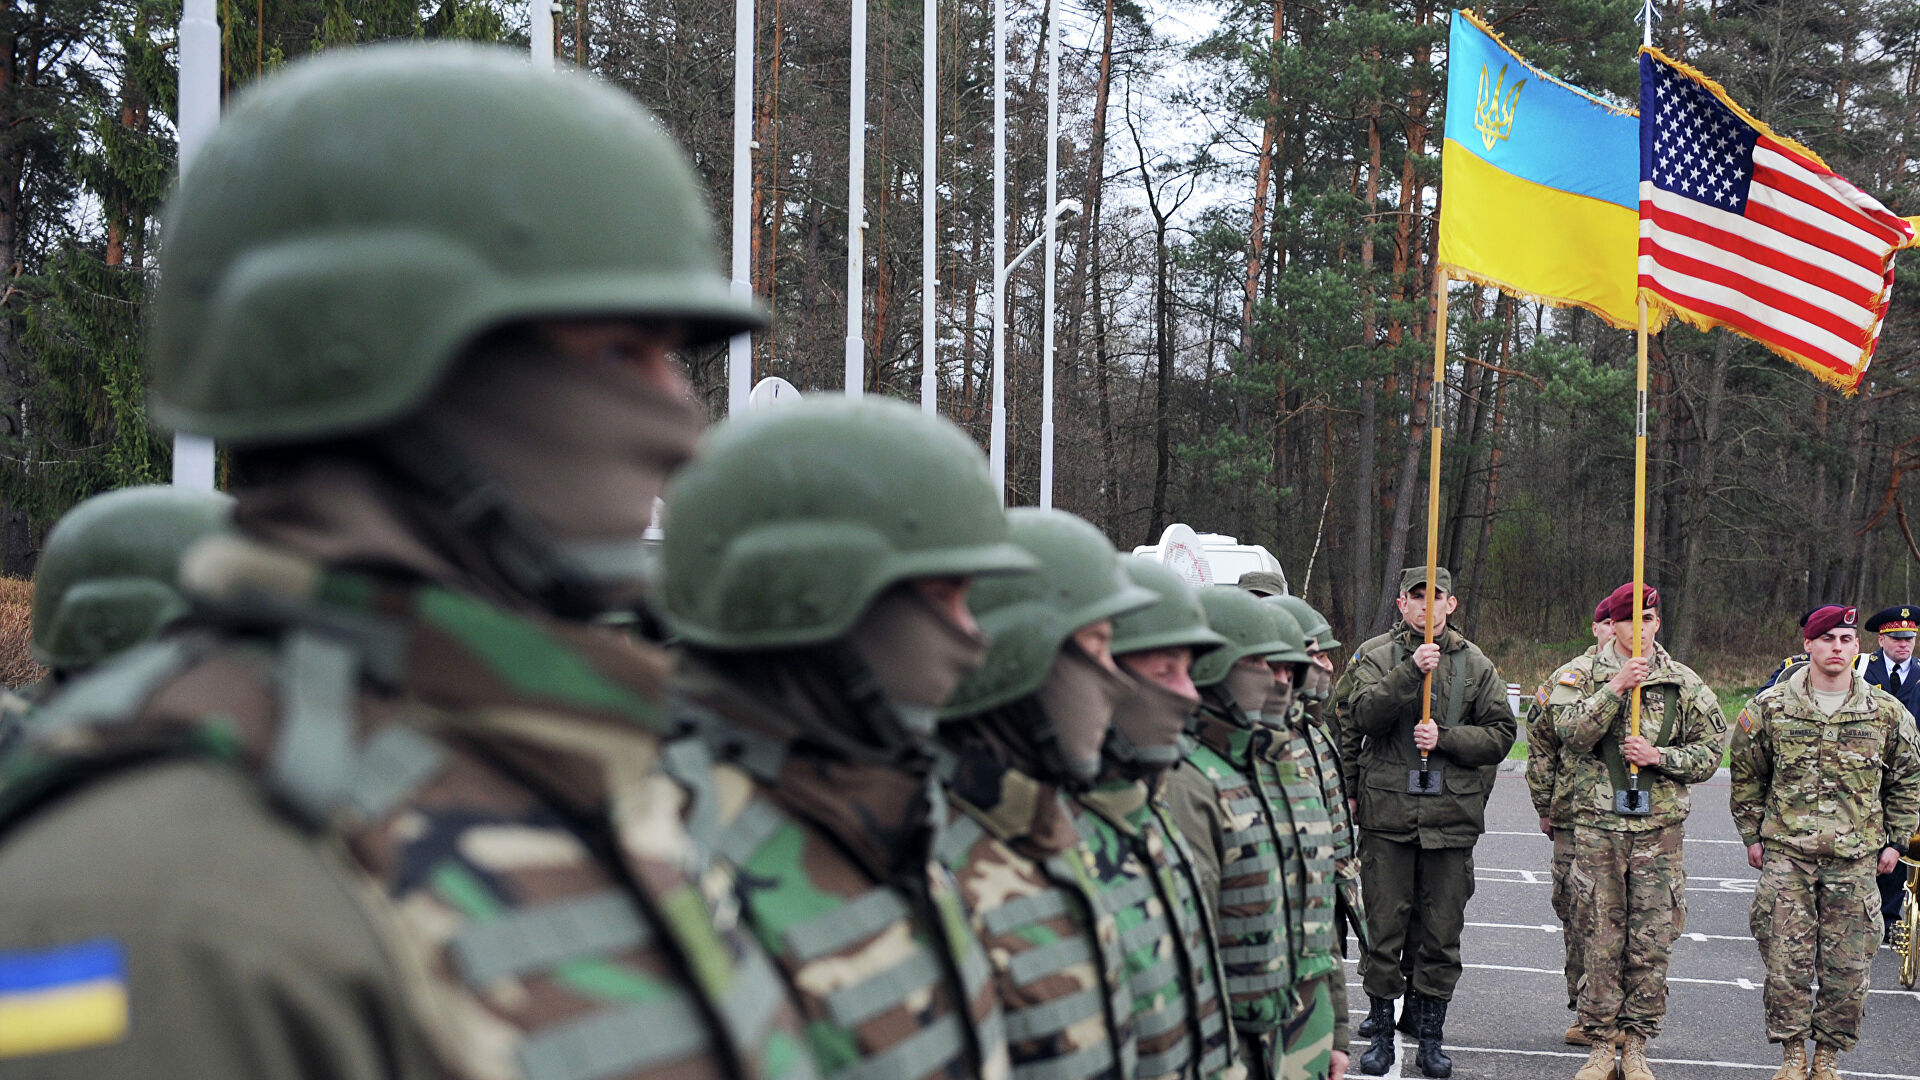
(520, 548)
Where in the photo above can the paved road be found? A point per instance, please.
(1508, 1014)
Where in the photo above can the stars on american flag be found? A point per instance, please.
(1702, 150)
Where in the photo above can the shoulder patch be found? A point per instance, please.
(68, 997)
(1569, 678)
(1745, 721)
(1540, 695)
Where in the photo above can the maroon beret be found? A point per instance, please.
(1830, 617)
(1619, 603)
(1600, 612)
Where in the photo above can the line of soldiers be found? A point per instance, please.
(411, 786)
(1825, 792)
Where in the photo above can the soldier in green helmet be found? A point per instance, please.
(1317, 687)
(1322, 866)
(1228, 807)
(816, 566)
(387, 803)
(1156, 646)
(1025, 730)
(106, 581)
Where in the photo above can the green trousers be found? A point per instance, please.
(1398, 879)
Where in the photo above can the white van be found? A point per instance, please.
(1226, 556)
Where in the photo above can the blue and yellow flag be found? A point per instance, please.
(1540, 181)
(64, 998)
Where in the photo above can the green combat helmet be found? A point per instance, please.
(365, 218)
(462, 189)
(1174, 620)
(1289, 631)
(1312, 623)
(1030, 617)
(771, 544)
(106, 578)
(1248, 624)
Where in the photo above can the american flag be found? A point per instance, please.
(1743, 229)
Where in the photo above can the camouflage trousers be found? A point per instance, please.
(1306, 1037)
(1630, 903)
(1815, 917)
(1563, 909)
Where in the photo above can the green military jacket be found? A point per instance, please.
(1589, 720)
(1544, 765)
(1179, 991)
(1842, 786)
(1477, 728)
(833, 861)
(369, 829)
(1055, 948)
(1339, 713)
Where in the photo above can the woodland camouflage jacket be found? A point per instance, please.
(1589, 720)
(498, 875)
(1841, 786)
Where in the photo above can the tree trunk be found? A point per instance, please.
(1263, 172)
(1700, 514)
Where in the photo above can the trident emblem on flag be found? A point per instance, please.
(1493, 114)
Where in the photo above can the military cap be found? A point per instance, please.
(1619, 603)
(1900, 622)
(1263, 583)
(1600, 610)
(1828, 617)
(1415, 577)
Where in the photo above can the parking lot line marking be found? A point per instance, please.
(1536, 834)
(1695, 882)
(1653, 1060)
(1742, 983)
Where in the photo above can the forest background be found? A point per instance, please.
(1244, 310)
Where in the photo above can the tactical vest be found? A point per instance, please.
(1178, 992)
(891, 981)
(1284, 767)
(1326, 764)
(1054, 948)
(1253, 913)
(411, 724)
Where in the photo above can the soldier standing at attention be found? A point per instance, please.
(1423, 797)
(1826, 790)
(1231, 815)
(824, 620)
(1314, 1038)
(1552, 800)
(386, 805)
(1024, 730)
(1629, 878)
(1156, 646)
(107, 581)
(1892, 668)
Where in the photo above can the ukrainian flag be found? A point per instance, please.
(1540, 181)
(64, 998)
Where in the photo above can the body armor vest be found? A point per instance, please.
(1179, 1018)
(412, 724)
(1253, 914)
(890, 980)
(1054, 948)
(1284, 765)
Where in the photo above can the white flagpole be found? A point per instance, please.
(199, 114)
(740, 346)
(540, 32)
(929, 160)
(1050, 259)
(856, 204)
(997, 437)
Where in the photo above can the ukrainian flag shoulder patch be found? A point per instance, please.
(68, 997)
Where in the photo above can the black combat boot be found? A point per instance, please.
(1409, 1015)
(1365, 1030)
(1379, 1056)
(1431, 1059)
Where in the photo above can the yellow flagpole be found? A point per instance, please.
(1639, 522)
(1435, 396)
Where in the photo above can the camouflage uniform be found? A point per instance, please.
(1228, 816)
(1167, 936)
(832, 859)
(471, 828)
(1286, 760)
(1054, 948)
(1628, 880)
(1824, 795)
(1551, 798)
(1346, 863)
